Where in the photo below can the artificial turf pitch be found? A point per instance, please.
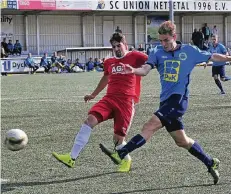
(50, 109)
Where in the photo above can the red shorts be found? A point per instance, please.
(120, 109)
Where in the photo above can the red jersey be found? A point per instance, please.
(120, 84)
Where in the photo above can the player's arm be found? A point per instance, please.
(101, 85)
(141, 71)
(220, 58)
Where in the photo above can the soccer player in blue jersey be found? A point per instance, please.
(218, 68)
(174, 62)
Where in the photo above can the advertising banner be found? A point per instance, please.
(17, 65)
(73, 5)
(6, 26)
(9, 4)
(37, 4)
(162, 5)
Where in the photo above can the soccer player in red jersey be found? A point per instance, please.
(118, 104)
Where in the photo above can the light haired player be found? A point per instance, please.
(118, 103)
(174, 62)
(218, 68)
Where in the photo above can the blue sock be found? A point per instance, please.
(217, 81)
(197, 151)
(136, 142)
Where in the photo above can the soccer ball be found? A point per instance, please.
(16, 139)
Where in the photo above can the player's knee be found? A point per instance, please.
(184, 143)
(150, 128)
(215, 77)
(91, 121)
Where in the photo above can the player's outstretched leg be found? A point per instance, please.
(124, 164)
(118, 156)
(65, 159)
(213, 170)
(81, 140)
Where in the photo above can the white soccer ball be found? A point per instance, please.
(16, 139)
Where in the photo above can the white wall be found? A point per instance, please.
(60, 31)
(229, 31)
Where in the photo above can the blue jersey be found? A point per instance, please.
(220, 49)
(175, 68)
(29, 61)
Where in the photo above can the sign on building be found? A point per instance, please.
(9, 4)
(162, 5)
(37, 4)
(6, 26)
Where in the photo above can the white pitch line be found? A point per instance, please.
(211, 105)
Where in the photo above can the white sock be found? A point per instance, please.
(81, 140)
(127, 157)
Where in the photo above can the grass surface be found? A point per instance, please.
(50, 109)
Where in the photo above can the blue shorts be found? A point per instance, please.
(171, 111)
(218, 70)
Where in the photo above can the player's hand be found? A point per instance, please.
(87, 98)
(128, 69)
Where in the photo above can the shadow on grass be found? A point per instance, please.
(11, 186)
(169, 188)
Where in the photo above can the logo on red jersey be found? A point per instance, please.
(117, 69)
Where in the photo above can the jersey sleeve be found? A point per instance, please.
(141, 58)
(152, 59)
(105, 66)
(199, 56)
(223, 49)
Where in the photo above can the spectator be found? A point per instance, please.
(229, 51)
(67, 66)
(29, 62)
(98, 65)
(10, 47)
(3, 52)
(206, 32)
(17, 48)
(45, 63)
(141, 49)
(57, 62)
(197, 38)
(214, 31)
(118, 30)
(201, 39)
(149, 49)
(131, 48)
(90, 65)
(4, 45)
(78, 64)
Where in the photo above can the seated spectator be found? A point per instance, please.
(56, 62)
(141, 49)
(4, 45)
(29, 62)
(17, 48)
(90, 65)
(131, 48)
(3, 52)
(67, 66)
(45, 63)
(98, 65)
(78, 64)
(10, 47)
(61, 62)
